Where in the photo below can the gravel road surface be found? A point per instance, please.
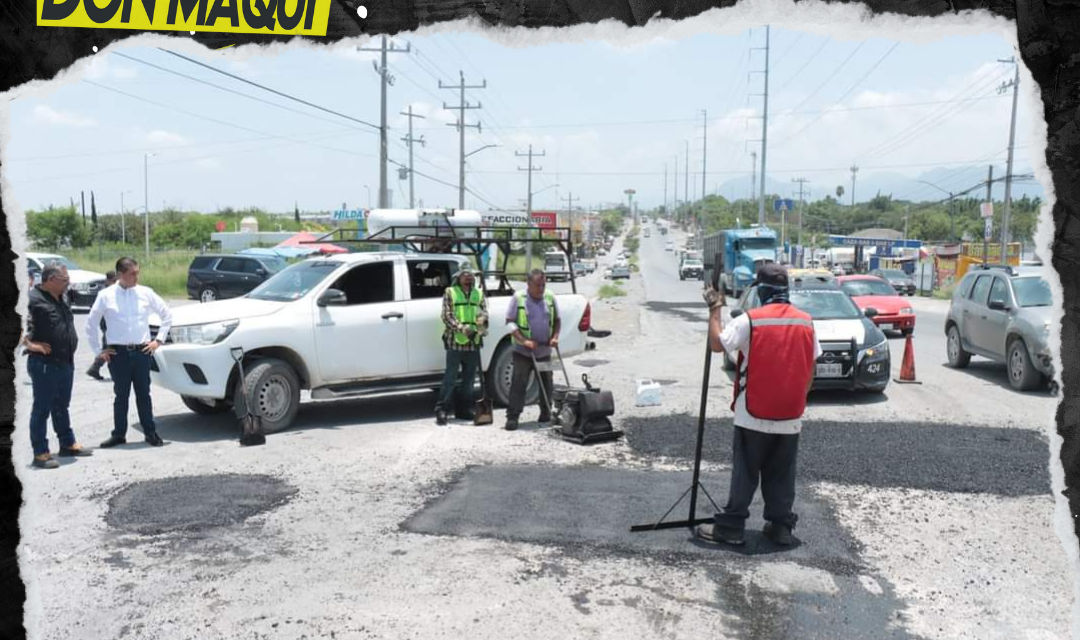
(924, 513)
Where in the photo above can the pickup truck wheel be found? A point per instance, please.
(501, 372)
(204, 407)
(274, 389)
(207, 294)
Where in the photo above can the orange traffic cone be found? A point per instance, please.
(907, 366)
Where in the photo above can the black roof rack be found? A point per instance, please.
(1004, 267)
(466, 241)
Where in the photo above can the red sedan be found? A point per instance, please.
(893, 312)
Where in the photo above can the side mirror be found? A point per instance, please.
(870, 312)
(260, 271)
(998, 305)
(332, 298)
(735, 313)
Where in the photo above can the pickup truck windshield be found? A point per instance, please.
(294, 282)
(868, 288)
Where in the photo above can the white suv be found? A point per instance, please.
(342, 326)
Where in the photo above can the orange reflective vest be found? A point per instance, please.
(781, 363)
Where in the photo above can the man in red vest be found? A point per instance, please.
(777, 350)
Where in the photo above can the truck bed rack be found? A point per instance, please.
(467, 241)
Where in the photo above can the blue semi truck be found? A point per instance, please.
(742, 252)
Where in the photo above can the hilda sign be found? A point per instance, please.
(360, 215)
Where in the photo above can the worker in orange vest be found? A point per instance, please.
(776, 351)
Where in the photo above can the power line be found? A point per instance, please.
(222, 88)
(831, 76)
(845, 95)
(265, 88)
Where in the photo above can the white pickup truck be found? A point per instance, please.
(343, 326)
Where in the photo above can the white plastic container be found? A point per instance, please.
(648, 393)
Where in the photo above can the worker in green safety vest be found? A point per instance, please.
(465, 322)
(534, 315)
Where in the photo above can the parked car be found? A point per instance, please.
(893, 312)
(691, 268)
(620, 270)
(896, 278)
(1003, 314)
(304, 327)
(219, 277)
(855, 352)
(580, 270)
(84, 285)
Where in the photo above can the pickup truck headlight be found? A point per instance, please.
(209, 333)
(80, 286)
(907, 311)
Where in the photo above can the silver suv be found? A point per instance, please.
(1003, 314)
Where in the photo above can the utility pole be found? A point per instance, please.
(409, 140)
(385, 79)
(675, 185)
(686, 179)
(123, 230)
(1007, 210)
(854, 170)
(802, 250)
(528, 203)
(667, 212)
(764, 130)
(704, 158)
(570, 215)
(753, 172)
(990, 199)
(461, 125)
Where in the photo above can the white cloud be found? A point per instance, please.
(159, 136)
(47, 115)
(209, 164)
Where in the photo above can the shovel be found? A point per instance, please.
(251, 432)
(483, 412)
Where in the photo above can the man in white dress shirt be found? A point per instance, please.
(127, 348)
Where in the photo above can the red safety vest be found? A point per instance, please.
(781, 363)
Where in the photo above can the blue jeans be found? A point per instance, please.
(52, 395)
(456, 360)
(131, 368)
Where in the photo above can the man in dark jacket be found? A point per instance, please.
(51, 340)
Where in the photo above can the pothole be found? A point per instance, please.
(194, 503)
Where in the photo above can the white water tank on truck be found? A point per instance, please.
(423, 222)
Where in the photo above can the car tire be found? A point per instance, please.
(1023, 376)
(208, 294)
(954, 349)
(203, 408)
(276, 388)
(500, 373)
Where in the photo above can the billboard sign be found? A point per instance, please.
(545, 219)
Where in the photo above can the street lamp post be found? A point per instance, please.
(146, 202)
(368, 196)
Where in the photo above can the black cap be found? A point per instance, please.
(773, 274)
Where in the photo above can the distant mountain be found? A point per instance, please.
(900, 186)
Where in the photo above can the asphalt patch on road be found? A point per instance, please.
(689, 311)
(588, 364)
(927, 456)
(587, 512)
(195, 503)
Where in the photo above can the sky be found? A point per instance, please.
(605, 118)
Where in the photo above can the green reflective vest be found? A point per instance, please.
(466, 310)
(523, 316)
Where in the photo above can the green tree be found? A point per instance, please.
(57, 228)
